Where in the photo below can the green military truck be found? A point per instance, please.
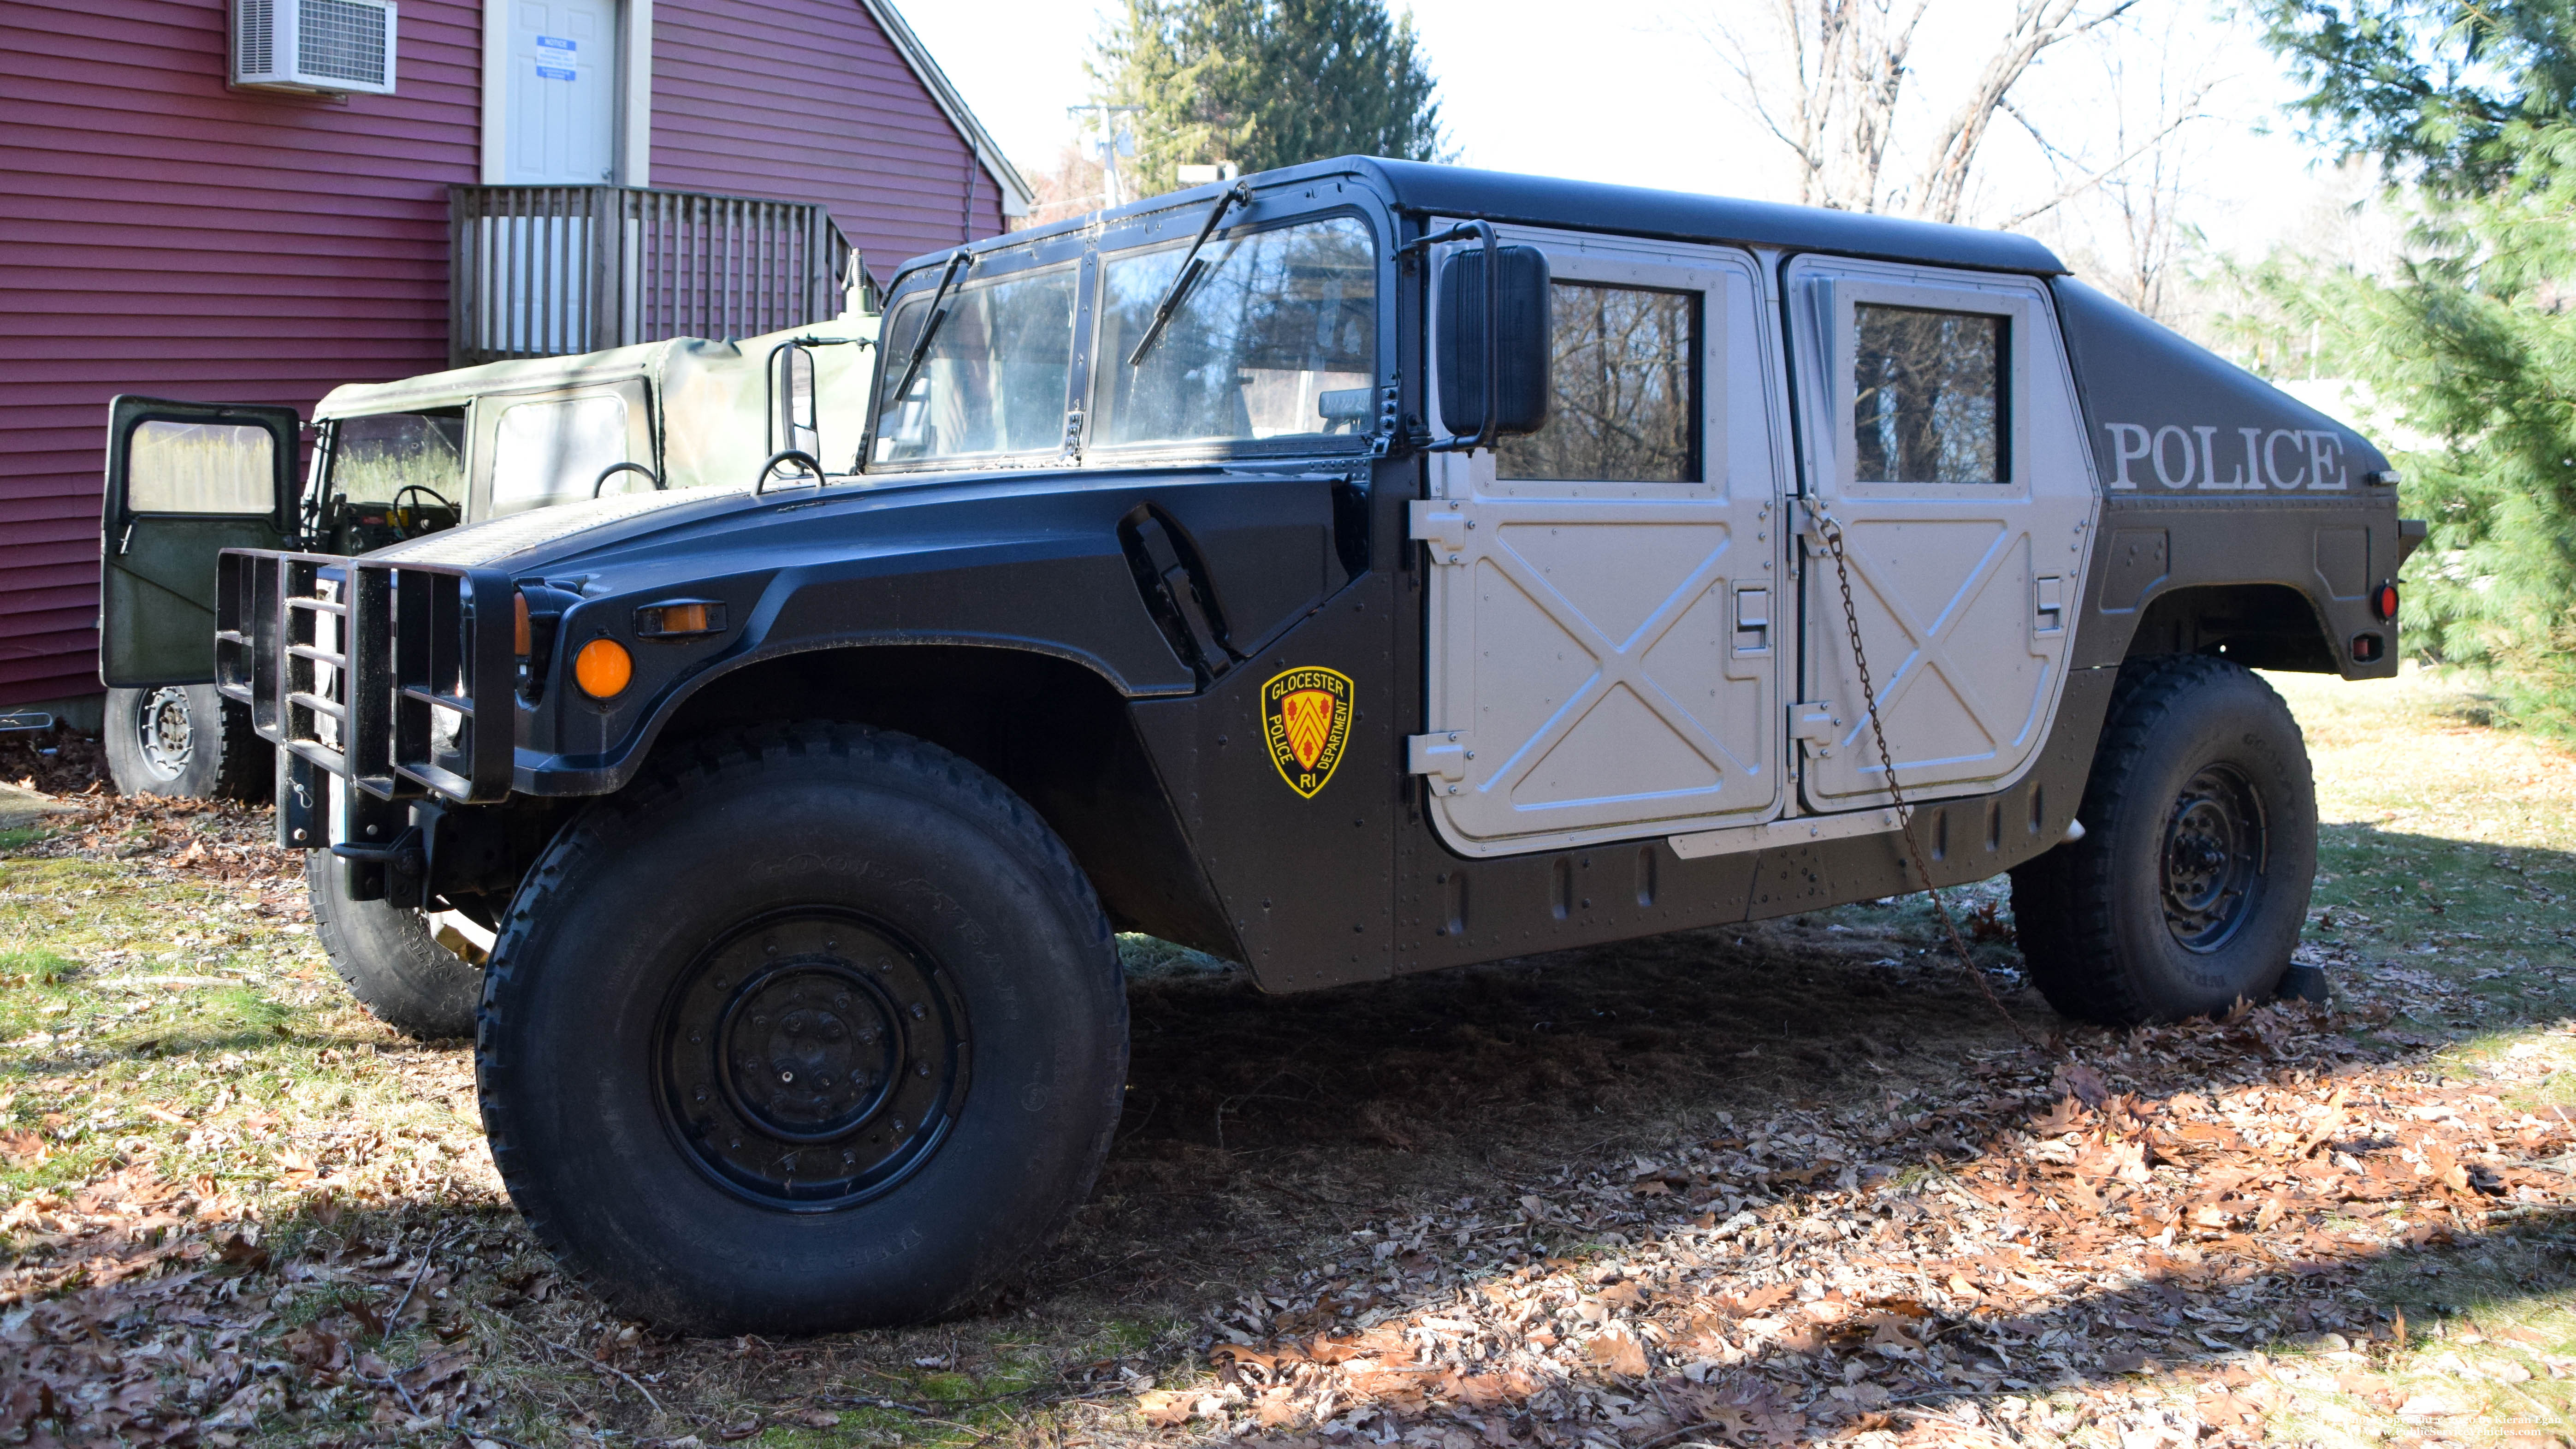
(394, 461)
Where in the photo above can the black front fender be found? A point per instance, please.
(1156, 583)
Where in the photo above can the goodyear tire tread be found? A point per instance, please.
(386, 956)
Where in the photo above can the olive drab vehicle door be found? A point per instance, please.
(185, 481)
(1942, 436)
(1606, 625)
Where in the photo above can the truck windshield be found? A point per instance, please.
(995, 377)
(1275, 339)
(377, 457)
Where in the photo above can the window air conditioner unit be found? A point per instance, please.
(314, 46)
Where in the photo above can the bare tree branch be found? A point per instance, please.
(2101, 174)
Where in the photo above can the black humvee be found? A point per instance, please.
(1366, 567)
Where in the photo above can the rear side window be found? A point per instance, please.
(201, 468)
(545, 453)
(1623, 389)
(1929, 395)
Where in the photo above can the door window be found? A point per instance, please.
(1929, 390)
(201, 468)
(1623, 389)
(545, 453)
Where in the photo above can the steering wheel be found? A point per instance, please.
(410, 488)
(613, 469)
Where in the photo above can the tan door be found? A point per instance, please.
(1606, 633)
(1941, 434)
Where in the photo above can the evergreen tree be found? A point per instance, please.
(1266, 83)
(2471, 342)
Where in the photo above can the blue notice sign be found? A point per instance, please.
(548, 72)
(556, 42)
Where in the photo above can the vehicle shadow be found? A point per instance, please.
(1262, 1133)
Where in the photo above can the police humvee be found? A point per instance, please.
(1363, 568)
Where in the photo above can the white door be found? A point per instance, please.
(1942, 436)
(562, 93)
(1606, 626)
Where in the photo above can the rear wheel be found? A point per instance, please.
(2189, 888)
(825, 1030)
(184, 740)
(391, 958)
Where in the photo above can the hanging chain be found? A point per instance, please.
(1832, 533)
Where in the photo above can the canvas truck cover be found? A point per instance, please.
(708, 397)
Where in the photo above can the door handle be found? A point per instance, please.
(1753, 620)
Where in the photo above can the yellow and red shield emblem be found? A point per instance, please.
(1306, 718)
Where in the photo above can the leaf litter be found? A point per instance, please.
(2183, 1235)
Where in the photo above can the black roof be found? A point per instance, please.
(1457, 191)
(1683, 215)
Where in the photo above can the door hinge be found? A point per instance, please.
(1443, 525)
(1442, 756)
(1814, 724)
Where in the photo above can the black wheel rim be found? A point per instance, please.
(2213, 858)
(164, 734)
(812, 1060)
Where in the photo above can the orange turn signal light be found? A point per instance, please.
(603, 668)
(522, 638)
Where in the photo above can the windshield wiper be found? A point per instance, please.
(959, 262)
(1239, 194)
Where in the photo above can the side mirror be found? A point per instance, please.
(1493, 342)
(792, 421)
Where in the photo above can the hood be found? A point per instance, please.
(484, 543)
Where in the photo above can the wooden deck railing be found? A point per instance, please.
(541, 271)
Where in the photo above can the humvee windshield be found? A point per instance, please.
(376, 458)
(1278, 323)
(1275, 339)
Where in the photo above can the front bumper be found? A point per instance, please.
(400, 679)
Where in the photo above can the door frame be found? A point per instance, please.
(631, 93)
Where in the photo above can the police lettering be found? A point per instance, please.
(2285, 459)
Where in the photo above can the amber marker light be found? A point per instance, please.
(603, 668)
(522, 639)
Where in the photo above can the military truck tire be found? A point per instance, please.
(390, 959)
(821, 1029)
(185, 740)
(2190, 885)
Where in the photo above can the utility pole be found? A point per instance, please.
(1106, 137)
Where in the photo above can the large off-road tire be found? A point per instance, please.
(391, 960)
(2190, 885)
(819, 1030)
(185, 740)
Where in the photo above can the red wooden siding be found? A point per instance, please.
(164, 234)
(167, 235)
(810, 102)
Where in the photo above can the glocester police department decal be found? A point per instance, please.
(1306, 717)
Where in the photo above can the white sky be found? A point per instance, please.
(1629, 91)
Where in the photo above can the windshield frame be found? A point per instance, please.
(1172, 222)
(991, 267)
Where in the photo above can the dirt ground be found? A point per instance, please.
(1775, 1184)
